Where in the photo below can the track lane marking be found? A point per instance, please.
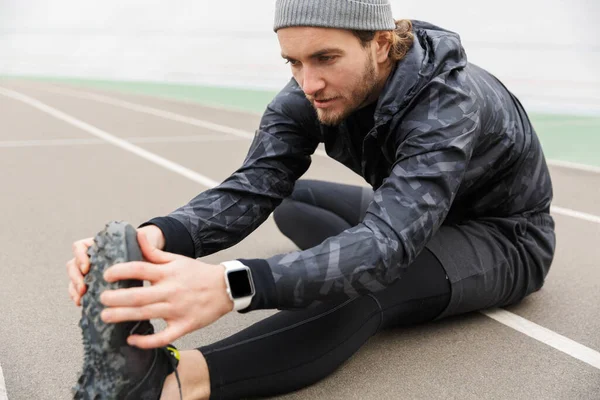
(240, 133)
(545, 335)
(520, 324)
(3, 394)
(572, 165)
(159, 113)
(136, 139)
(112, 139)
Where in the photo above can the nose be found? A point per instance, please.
(312, 82)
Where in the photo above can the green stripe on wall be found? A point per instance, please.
(239, 99)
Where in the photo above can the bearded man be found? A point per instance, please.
(456, 217)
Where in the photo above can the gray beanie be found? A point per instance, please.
(364, 15)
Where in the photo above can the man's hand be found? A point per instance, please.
(79, 265)
(185, 292)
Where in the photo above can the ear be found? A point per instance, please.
(383, 43)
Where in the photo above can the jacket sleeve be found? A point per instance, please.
(279, 154)
(435, 141)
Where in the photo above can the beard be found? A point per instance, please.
(362, 89)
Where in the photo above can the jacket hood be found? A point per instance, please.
(435, 51)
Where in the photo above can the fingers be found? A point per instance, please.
(76, 278)
(77, 268)
(82, 260)
(154, 235)
(159, 339)
(134, 270)
(151, 253)
(74, 295)
(120, 314)
(134, 297)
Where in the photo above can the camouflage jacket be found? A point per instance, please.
(449, 142)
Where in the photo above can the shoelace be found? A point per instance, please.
(172, 359)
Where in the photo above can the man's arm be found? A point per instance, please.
(279, 154)
(438, 137)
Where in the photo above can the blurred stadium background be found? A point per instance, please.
(546, 51)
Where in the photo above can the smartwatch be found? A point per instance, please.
(240, 286)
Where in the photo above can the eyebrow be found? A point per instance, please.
(317, 53)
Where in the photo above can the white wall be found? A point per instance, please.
(546, 51)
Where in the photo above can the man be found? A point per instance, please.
(457, 219)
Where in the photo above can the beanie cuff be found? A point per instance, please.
(367, 15)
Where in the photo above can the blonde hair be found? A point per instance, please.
(401, 40)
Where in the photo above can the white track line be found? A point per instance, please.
(152, 111)
(179, 100)
(49, 143)
(575, 214)
(157, 113)
(3, 394)
(544, 335)
(144, 139)
(182, 139)
(529, 328)
(225, 129)
(572, 165)
(123, 144)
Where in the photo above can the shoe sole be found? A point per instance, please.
(102, 375)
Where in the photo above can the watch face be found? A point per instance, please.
(239, 282)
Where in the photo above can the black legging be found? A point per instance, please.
(296, 348)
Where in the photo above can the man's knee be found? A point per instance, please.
(288, 210)
(282, 213)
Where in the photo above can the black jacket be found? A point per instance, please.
(449, 143)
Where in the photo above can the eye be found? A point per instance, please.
(293, 63)
(325, 59)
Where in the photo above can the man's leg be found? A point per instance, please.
(490, 262)
(296, 348)
(293, 349)
(317, 210)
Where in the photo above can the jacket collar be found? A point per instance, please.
(402, 83)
